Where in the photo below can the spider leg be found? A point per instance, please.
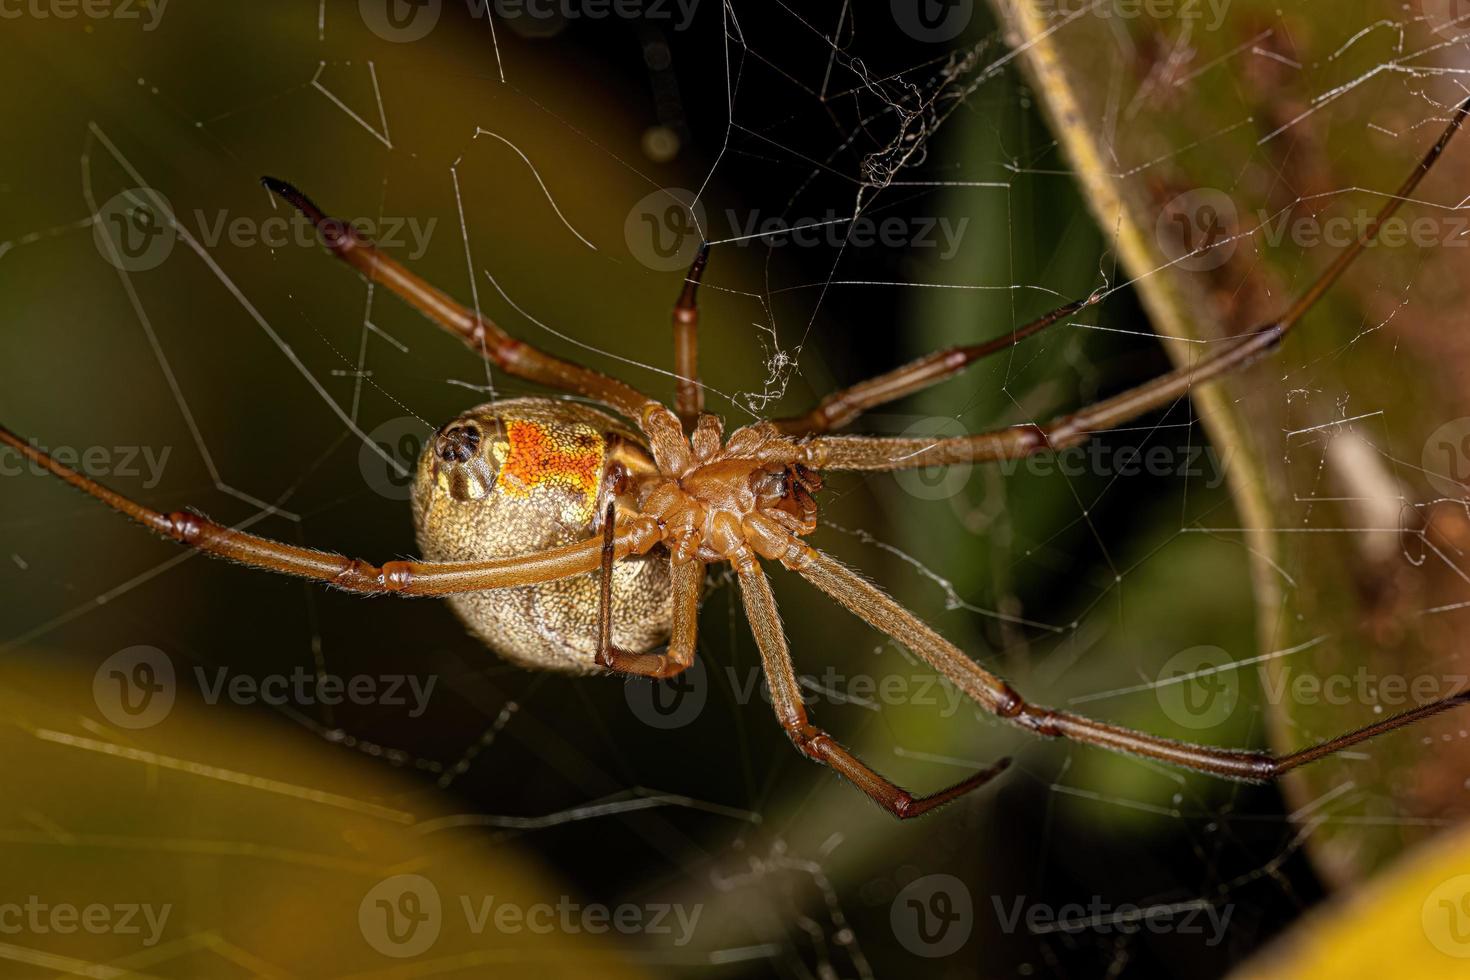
(878, 609)
(868, 453)
(689, 393)
(688, 582)
(478, 332)
(844, 406)
(765, 622)
(400, 577)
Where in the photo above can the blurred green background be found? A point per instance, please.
(263, 371)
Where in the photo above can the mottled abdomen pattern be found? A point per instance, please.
(530, 476)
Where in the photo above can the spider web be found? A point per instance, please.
(873, 188)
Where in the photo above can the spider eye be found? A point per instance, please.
(457, 443)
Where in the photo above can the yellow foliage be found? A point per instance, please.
(1412, 921)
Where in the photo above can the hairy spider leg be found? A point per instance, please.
(411, 578)
(846, 405)
(688, 584)
(814, 743)
(477, 331)
(873, 453)
(875, 607)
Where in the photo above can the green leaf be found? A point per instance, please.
(1344, 444)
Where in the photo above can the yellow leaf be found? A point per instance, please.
(1412, 921)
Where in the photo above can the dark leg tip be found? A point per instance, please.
(288, 193)
(686, 301)
(278, 186)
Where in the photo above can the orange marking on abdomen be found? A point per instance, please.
(537, 457)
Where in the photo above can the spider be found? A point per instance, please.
(567, 540)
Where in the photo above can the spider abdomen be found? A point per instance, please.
(525, 475)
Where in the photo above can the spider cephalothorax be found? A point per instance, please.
(732, 501)
(510, 498)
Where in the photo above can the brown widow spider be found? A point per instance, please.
(568, 541)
